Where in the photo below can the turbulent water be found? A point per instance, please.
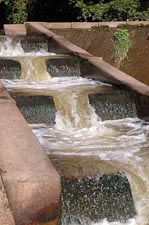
(79, 143)
(33, 64)
(106, 147)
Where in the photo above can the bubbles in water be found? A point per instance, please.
(9, 46)
(117, 145)
(119, 139)
(105, 222)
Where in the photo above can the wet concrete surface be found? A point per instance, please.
(99, 42)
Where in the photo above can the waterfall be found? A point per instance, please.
(9, 46)
(92, 142)
(33, 65)
(74, 111)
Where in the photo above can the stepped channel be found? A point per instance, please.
(89, 130)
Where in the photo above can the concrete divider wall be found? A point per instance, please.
(31, 182)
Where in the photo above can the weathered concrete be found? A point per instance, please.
(40, 28)
(6, 217)
(87, 25)
(109, 70)
(59, 25)
(104, 68)
(15, 29)
(31, 182)
(100, 42)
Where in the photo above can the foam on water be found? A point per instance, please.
(118, 145)
(56, 83)
(10, 48)
(33, 64)
(105, 222)
(119, 139)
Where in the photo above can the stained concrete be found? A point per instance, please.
(31, 182)
(15, 29)
(100, 42)
(6, 217)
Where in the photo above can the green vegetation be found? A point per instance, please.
(122, 44)
(19, 11)
(114, 10)
(16, 10)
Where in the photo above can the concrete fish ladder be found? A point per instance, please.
(29, 179)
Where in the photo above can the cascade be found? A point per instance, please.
(33, 66)
(103, 161)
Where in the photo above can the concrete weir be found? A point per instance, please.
(29, 184)
(106, 71)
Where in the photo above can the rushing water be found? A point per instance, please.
(33, 64)
(84, 148)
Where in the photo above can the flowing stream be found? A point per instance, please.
(103, 163)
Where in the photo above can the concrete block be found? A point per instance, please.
(83, 25)
(31, 182)
(15, 29)
(58, 25)
(38, 28)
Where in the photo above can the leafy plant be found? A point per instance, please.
(122, 44)
(16, 10)
(114, 10)
(19, 11)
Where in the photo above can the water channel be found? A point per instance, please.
(89, 130)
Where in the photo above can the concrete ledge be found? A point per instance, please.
(30, 180)
(88, 25)
(15, 29)
(109, 70)
(59, 25)
(19, 29)
(84, 25)
(104, 68)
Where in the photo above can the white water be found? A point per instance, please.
(105, 222)
(33, 64)
(102, 147)
(119, 139)
(110, 146)
(10, 48)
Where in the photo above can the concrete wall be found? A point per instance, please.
(88, 25)
(99, 42)
(31, 182)
(97, 39)
(105, 70)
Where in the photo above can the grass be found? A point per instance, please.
(122, 44)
